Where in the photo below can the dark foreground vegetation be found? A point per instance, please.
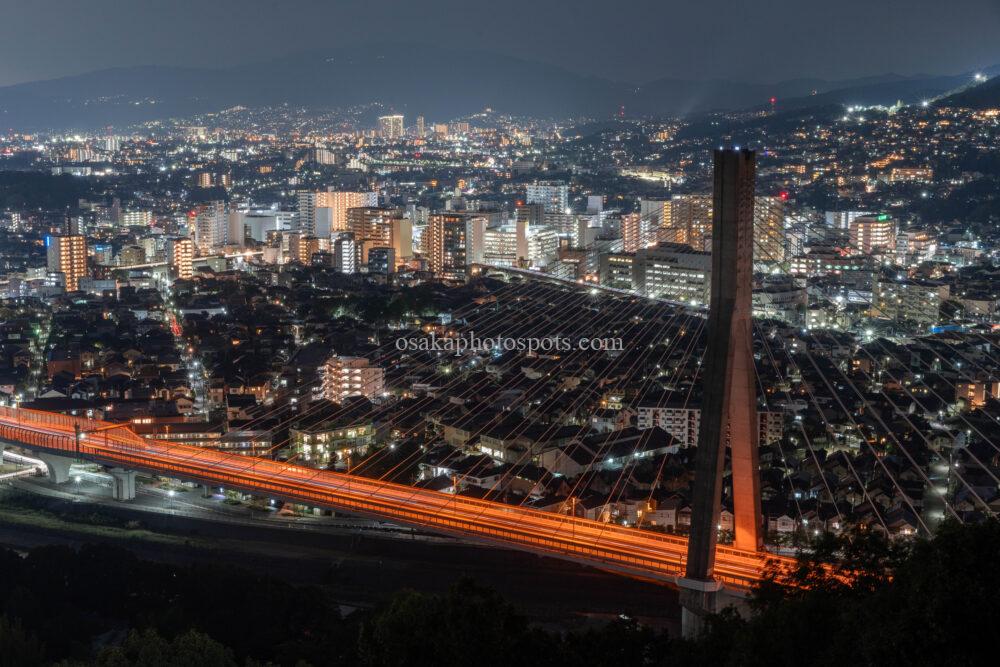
(932, 602)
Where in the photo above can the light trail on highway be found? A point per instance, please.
(629, 551)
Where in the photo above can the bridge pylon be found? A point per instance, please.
(729, 407)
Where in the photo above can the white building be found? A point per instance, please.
(210, 226)
(683, 422)
(673, 271)
(352, 376)
(553, 196)
(390, 127)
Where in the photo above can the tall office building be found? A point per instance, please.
(552, 195)
(67, 255)
(390, 127)
(617, 270)
(180, 256)
(421, 127)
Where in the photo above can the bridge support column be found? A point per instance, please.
(729, 406)
(57, 466)
(122, 484)
(206, 491)
(698, 599)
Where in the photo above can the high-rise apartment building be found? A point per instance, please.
(137, 218)
(453, 242)
(210, 226)
(553, 196)
(769, 229)
(345, 253)
(688, 220)
(638, 231)
(371, 223)
(236, 228)
(657, 210)
(307, 201)
(381, 227)
(543, 246)
(340, 202)
(180, 255)
(67, 255)
(390, 127)
(691, 220)
(325, 212)
(301, 247)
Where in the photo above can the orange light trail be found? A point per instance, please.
(608, 546)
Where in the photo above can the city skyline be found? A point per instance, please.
(419, 333)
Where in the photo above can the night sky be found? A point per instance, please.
(628, 40)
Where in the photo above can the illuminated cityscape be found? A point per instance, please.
(434, 355)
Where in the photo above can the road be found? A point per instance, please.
(608, 546)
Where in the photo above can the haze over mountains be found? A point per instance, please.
(417, 80)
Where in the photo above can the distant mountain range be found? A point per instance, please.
(416, 80)
(984, 96)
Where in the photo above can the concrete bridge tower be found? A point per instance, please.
(729, 406)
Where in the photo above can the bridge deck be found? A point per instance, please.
(608, 546)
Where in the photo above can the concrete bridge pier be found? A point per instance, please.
(698, 599)
(122, 484)
(206, 490)
(57, 466)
